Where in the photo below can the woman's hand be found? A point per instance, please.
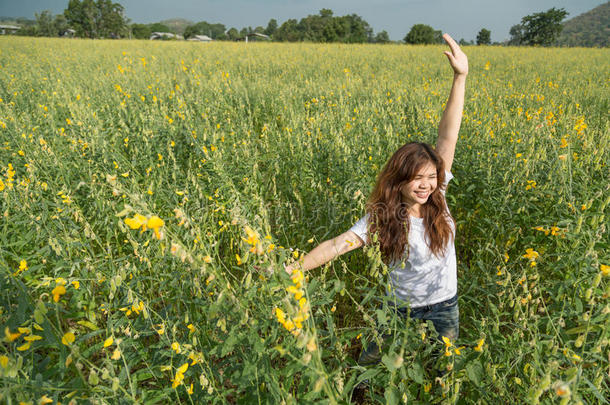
(457, 58)
(289, 268)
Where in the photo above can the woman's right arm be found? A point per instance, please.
(327, 251)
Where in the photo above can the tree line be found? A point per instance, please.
(106, 19)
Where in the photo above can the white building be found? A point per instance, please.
(165, 35)
(8, 29)
(200, 38)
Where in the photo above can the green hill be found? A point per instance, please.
(590, 29)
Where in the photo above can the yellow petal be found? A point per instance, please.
(10, 336)
(24, 346)
(32, 338)
(155, 222)
(116, 354)
(108, 342)
(68, 338)
(182, 369)
(45, 400)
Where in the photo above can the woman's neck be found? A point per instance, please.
(415, 211)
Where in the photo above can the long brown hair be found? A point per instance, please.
(389, 214)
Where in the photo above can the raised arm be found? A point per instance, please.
(449, 126)
(327, 251)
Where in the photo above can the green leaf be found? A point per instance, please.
(88, 324)
(392, 361)
(391, 396)
(416, 372)
(474, 371)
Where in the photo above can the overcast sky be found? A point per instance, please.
(460, 18)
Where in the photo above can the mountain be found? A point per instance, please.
(589, 29)
(177, 25)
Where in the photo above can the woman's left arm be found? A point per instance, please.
(449, 126)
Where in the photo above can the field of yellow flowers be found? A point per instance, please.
(150, 192)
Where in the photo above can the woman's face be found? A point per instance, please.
(418, 190)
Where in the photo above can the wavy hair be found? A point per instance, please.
(389, 214)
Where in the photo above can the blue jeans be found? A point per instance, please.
(443, 315)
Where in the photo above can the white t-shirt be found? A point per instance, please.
(426, 279)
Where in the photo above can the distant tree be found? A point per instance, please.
(484, 37)
(44, 24)
(543, 28)
(140, 31)
(420, 34)
(158, 27)
(61, 24)
(271, 27)
(382, 37)
(232, 34)
(516, 35)
(288, 31)
(259, 30)
(110, 19)
(96, 19)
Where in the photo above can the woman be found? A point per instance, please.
(408, 212)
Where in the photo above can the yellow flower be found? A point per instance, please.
(68, 338)
(190, 390)
(108, 342)
(116, 354)
(23, 265)
(564, 143)
(605, 269)
(155, 222)
(176, 347)
(239, 262)
(32, 338)
(479, 346)
(9, 336)
(530, 254)
(182, 369)
(76, 284)
(136, 222)
(207, 259)
(45, 400)
(58, 291)
(24, 346)
(191, 327)
(281, 316)
(447, 341)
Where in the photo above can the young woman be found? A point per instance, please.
(408, 212)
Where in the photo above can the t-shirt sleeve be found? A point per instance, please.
(360, 229)
(448, 177)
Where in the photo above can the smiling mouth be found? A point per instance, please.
(422, 194)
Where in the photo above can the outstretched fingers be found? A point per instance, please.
(452, 44)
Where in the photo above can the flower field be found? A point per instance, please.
(150, 192)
